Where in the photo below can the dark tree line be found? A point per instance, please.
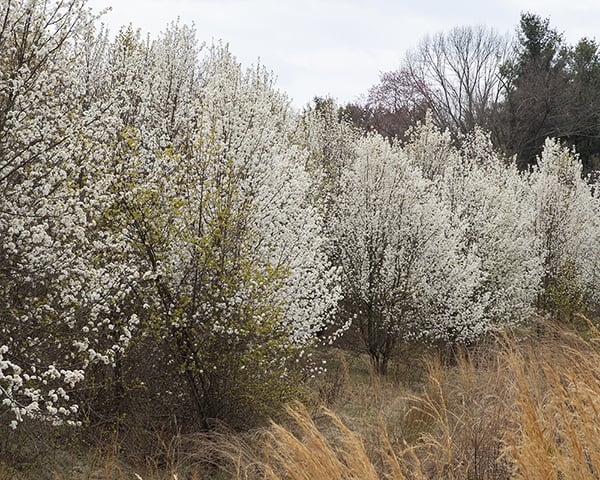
(522, 90)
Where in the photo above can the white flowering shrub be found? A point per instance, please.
(489, 202)
(567, 224)
(402, 271)
(151, 197)
(57, 299)
(209, 199)
(435, 243)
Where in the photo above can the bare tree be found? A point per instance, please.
(395, 103)
(457, 73)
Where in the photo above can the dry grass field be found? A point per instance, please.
(526, 408)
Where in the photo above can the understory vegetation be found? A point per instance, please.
(190, 270)
(515, 409)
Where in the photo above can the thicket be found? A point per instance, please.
(177, 245)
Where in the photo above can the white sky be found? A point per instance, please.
(338, 48)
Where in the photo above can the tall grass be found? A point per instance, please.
(557, 416)
(448, 431)
(527, 408)
(530, 410)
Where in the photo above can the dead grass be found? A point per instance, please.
(557, 410)
(450, 430)
(528, 408)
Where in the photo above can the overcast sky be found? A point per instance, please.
(338, 47)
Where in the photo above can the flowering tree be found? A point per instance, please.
(150, 197)
(489, 200)
(55, 295)
(566, 222)
(210, 199)
(402, 272)
(435, 243)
